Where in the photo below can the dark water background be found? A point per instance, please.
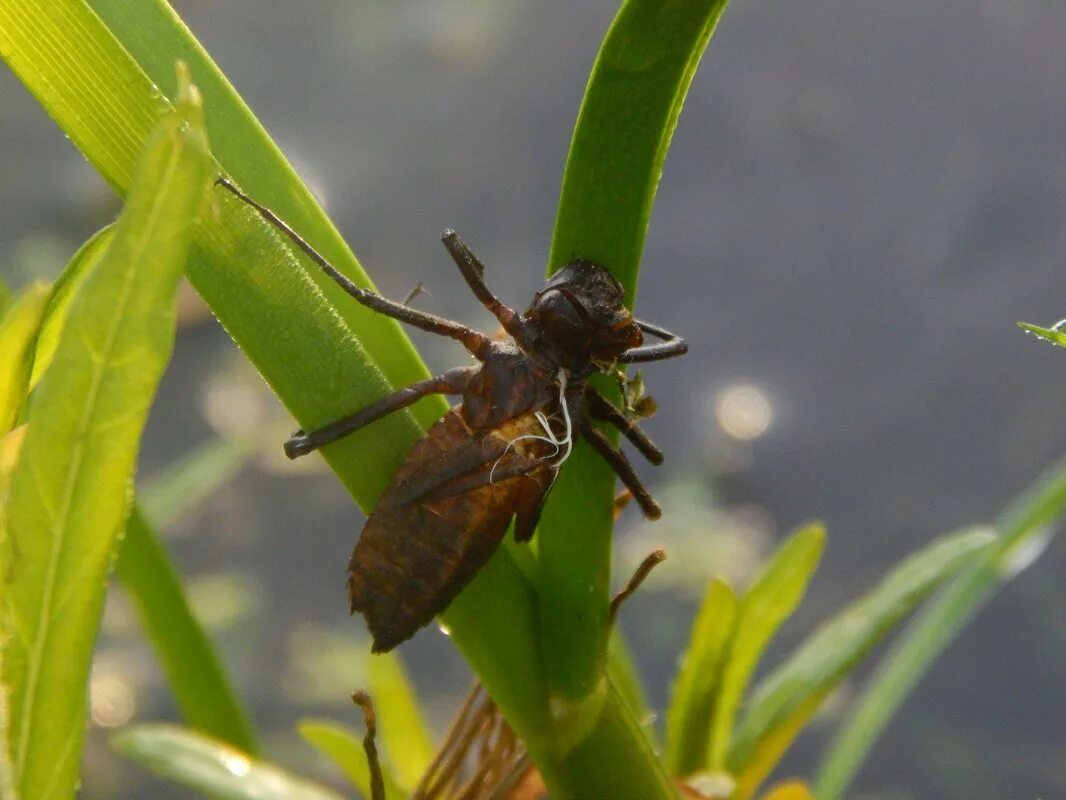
(860, 201)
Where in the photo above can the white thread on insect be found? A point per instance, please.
(567, 441)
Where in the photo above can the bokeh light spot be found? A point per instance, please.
(743, 412)
(112, 698)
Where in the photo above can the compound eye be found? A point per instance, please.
(560, 321)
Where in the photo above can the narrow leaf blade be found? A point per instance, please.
(638, 84)
(691, 709)
(18, 337)
(69, 491)
(202, 691)
(818, 665)
(81, 264)
(211, 767)
(1025, 529)
(1050, 335)
(194, 672)
(769, 601)
(300, 343)
(155, 36)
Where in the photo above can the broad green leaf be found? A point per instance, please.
(1053, 335)
(627, 118)
(18, 337)
(191, 480)
(787, 698)
(194, 672)
(105, 94)
(212, 768)
(691, 709)
(344, 747)
(402, 730)
(66, 286)
(70, 488)
(1025, 528)
(769, 601)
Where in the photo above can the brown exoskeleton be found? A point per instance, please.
(496, 454)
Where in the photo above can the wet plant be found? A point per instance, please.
(79, 361)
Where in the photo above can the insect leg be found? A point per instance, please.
(473, 272)
(603, 409)
(451, 382)
(671, 346)
(476, 343)
(622, 468)
(650, 562)
(370, 747)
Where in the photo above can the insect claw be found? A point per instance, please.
(299, 444)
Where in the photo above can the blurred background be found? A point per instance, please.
(860, 201)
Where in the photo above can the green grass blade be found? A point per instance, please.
(69, 492)
(615, 760)
(691, 709)
(18, 337)
(10, 447)
(155, 36)
(621, 138)
(1024, 530)
(769, 601)
(626, 679)
(1050, 335)
(344, 747)
(106, 103)
(783, 702)
(211, 767)
(66, 286)
(194, 673)
(304, 348)
(402, 730)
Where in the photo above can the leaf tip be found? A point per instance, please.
(188, 93)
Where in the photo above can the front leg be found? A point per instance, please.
(672, 345)
(622, 468)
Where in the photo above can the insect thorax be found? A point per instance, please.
(507, 385)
